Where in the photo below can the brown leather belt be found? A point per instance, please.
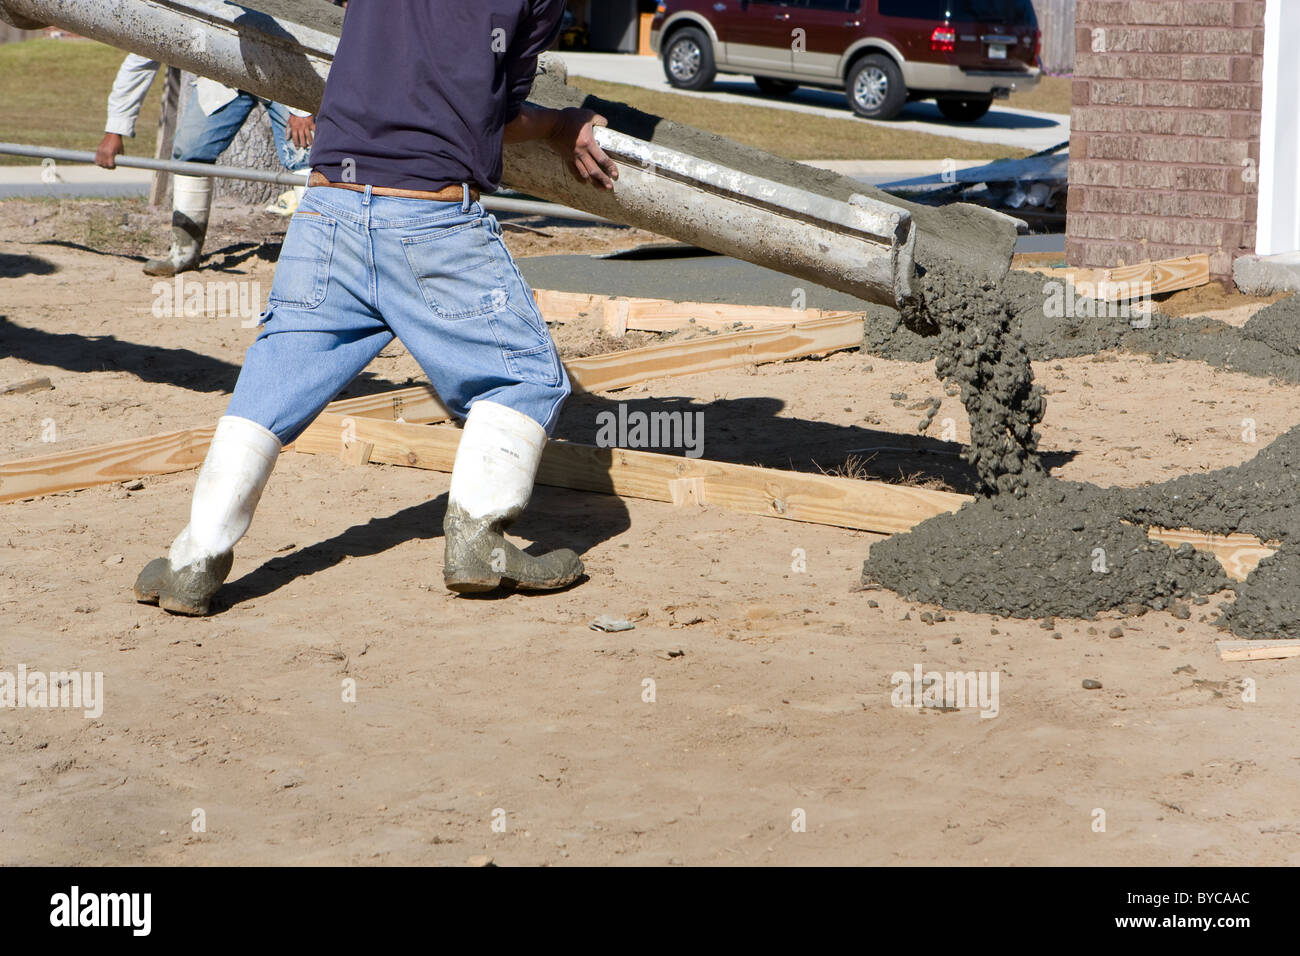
(450, 194)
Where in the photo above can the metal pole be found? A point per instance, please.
(525, 207)
(167, 165)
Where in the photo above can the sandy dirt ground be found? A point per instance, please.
(507, 727)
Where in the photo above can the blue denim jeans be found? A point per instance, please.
(202, 138)
(356, 270)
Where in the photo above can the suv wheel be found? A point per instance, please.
(688, 60)
(964, 111)
(770, 86)
(875, 88)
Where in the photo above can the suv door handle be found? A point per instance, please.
(781, 16)
(852, 23)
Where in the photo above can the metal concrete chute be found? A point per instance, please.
(863, 247)
(858, 243)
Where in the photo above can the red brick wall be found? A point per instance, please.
(1161, 126)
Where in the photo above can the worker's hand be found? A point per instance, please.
(302, 130)
(574, 140)
(110, 147)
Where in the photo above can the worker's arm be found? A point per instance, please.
(134, 78)
(569, 133)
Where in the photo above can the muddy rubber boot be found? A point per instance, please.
(192, 201)
(236, 469)
(491, 483)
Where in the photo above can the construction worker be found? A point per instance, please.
(209, 124)
(390, 239)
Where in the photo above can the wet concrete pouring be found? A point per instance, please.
(1029, 545)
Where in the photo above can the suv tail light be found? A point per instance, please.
(943, 39)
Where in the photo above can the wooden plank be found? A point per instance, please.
(597, 373)
(818, 499)
(418, 405)
(1165, 275)
(26, 385)
(1238, 553)
(567, 306)
(655, 315)
(794, 496)
(105, 464)
(86, 467)
(687, 492)
(616, 317)
(666, 315)
(1257, 650)
(356, 452)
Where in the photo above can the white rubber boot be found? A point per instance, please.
(236, 469)
(191, 206)
(491, 483)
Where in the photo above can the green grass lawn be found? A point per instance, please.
(795, 135)
(56, 94)
(1052, 95)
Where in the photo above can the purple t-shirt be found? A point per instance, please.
(420, 90)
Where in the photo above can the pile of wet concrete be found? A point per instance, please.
(1065, 548)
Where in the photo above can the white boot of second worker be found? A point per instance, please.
(230, 484)
(491, 483)
(191, 207)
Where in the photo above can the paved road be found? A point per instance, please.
(73, 181)
(691, 277)
(1002, 126)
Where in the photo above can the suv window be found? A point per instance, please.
(1004, 11)
(846, 6)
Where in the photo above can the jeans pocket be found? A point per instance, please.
(458, 269)
(539, 365)
(303, 270)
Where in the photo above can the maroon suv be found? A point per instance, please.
(961, 53)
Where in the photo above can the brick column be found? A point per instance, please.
(1164, 142)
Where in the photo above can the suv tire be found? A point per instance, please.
(688, 59)
(964, 111)
(875, 87)
(770, 86)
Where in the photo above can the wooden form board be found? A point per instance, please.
(1238, 553)
(621, 314)
(163, 454)
(1257, 650)
(104, 464)
(794, 496)
(181, 450)
(1165, 275)
(41, 384)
